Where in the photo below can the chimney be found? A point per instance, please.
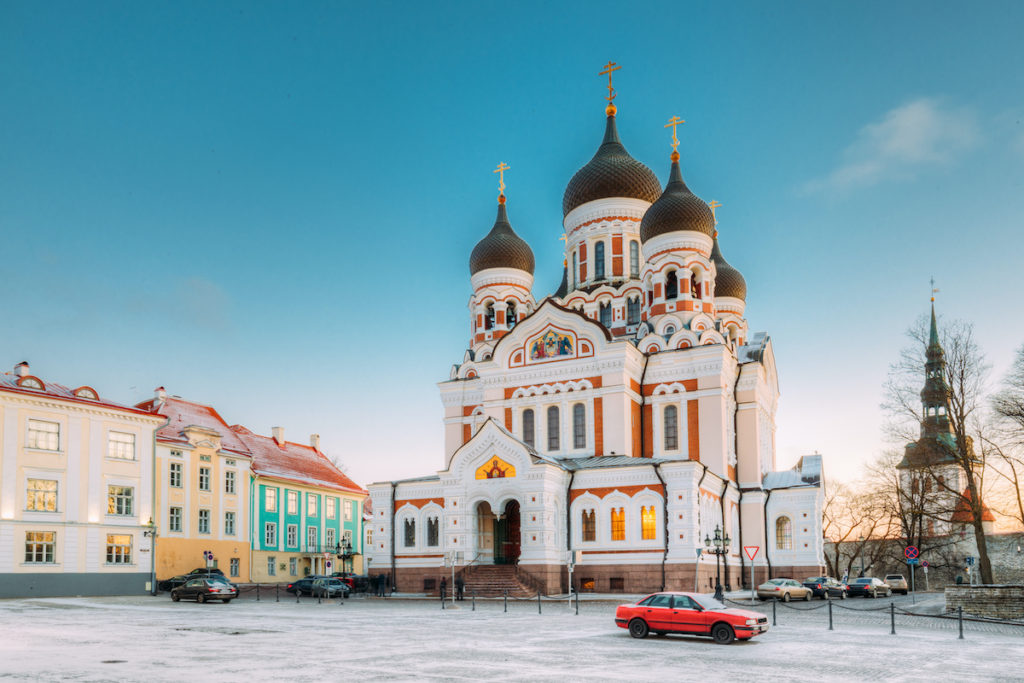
(278, 433)
(314, 441)
(21, 369)
(160, 394)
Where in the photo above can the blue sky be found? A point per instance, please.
(270, 206)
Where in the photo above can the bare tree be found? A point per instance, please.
(1008, 460)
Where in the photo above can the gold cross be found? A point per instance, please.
(934, 290)
(502, 167)
(714, 205)
(672, 123)
(608, 69)
(564, 238)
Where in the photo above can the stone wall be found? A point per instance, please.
(997, 601)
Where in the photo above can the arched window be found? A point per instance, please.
(648, 523)
(670, 330)
(605, 313)
(783, 534)
(695, 287)
(633, 310)
(927, 485)
(553, 428)
(579, 426)
(599, 261)
(671, 428)
(575, 270)
(432, 531)
(671, 285)
(618, 524)
(528, 431)
(589, 526)
(634, 259)
(410, 533)
(913, 487)
(650, 297)
(489, 317)
(510, 314)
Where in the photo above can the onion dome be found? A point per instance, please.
(611, 173)
(563, 288)
(501, 248)
(728, 281)
(677, 210)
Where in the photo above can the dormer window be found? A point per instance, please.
(30, 383)
(86, 392)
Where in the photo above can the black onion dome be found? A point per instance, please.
(501, 248)
(676, 210)
(728, 281)
(611, 173)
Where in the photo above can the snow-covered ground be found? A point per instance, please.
(153, 639)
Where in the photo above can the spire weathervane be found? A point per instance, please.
(713, 206)
(609, 68)
(673, 123)
(500, 170)
(934, 290)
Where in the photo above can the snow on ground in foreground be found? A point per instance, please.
(153, 639)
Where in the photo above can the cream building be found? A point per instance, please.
(76, 491)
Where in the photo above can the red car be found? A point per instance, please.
(691, 613)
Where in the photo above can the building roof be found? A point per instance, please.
(293, 462)
(677, 210)
(806, 472)
(182, 414)
(728, 280)
(611, 173)
(594, 462)
(20, 382)
(501, 248)
(964, 515)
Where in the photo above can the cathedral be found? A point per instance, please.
(608, 433)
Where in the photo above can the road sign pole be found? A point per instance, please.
(927, 588)
(913, 593)
(753, 589)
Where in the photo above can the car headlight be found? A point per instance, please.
(751, 622)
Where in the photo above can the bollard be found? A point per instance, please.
(829, 615)
(474, 601)
(892, 618)
(538, 602)
(277, 592)
(577, 603)
(506, 600)
(318, 597)
(297, 594)
(774, 600)
(257, 592)
(960, 619)
(441, 592)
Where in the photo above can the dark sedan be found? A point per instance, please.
(175, 581)
(869, 587)
(822, 586)
(331, 588)
(304, 586)
(205, 589)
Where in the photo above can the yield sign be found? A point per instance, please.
(751, 551)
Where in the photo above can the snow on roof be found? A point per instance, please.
(806, 472)
(293, 462)
(754, 351)
(593, 462)
(182, 414)
(9, 381)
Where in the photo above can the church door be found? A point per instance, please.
(506, 535)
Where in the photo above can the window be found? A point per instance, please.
(39, 547)
(330, 539)
(293, 566)
(270, 534)
(43, 435)
(618, 524)
(783, 534)
(605, 314)
(634, 259)
(204, 478)
(332, 508)
(311, 538)
(489, 317)
(41, 495)
(272, 566)
(599, 261)
(671, 428)
(589, 526)
(234, 566)
(121, 446)
(579, 426)
(119, 500)
(510, 314)
(174, 478)
(204, 521)
(350, 507)
(633, 310)
(293, 503)
(229, 523)
(174, 519)
(528, 431)
(432, 531)
(229, 482)
(346, 537)
(410, 533)
(648, 521)
(695, 289)
(270, 500)
(311, 505)
(671, 285)
(575, 269)
(292, 538)
(119, 549)
(553, 428)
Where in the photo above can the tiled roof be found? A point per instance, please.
(677, 209)
(9, 382)
(963, 513)
(293, 462)
(501, 248)
(182, 414)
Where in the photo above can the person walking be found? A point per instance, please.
(460, 586)
(381, 581)
(444, 587)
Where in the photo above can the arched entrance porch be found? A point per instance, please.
(498, 535)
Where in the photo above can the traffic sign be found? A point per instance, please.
(912, 560)
(970, 561)
(924, 563)
(911, 553)
(751, 551)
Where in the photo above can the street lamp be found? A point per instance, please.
(344, 551)
(717, 546)
(150, 532)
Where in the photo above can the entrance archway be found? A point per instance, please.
(498, 535)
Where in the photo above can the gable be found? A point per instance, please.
(492, 453)
(549, 335)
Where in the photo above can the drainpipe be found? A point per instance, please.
(767, 555)
(696, 566)
(568, 519)
(736, 451)
(253, 526)
(721, 504)
(153, 513)
(394, 578)
(664, 514)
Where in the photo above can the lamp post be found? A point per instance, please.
(717, 546)
(150, 532)
(860, 551)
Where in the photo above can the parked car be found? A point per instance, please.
(205, 570)
(175, 581)
(869, 587)
(702, 615)
(331, 587)
(783, 589)
(898, 583)
(205, 588)
(822, 586)
(304, 586)
(357, 583)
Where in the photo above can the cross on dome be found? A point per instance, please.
(673, 123)
(500, 170)
(609, 68)
(714, 205)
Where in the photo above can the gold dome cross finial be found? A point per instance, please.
(934, 290)
(609, 68)
(500, 170)
(673, 123)
(714, 205)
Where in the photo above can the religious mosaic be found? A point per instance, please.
(495, 468)
(551, 344)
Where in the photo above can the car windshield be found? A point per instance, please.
(894, 578)
(708, 602)
(863, 581)
(816, 579)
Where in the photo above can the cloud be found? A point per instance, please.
(914, 136)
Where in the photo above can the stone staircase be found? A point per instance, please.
(491, 580)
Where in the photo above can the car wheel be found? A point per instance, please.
(201, 598)
(175, 597)
(785, 597)
(874, 594)
(722, 634)
(807, 596)
(638, 628)
(842, 595)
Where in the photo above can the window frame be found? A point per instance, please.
(269, 499)
(554, 428)
(32, 435)
(229, 522)
(783, 533)
(270, 534)
(229, 482)
(48, 497)
(634, 259)
(204, 479)
(175, 472)
(123, 504)
(579, 426)
(203, 520)
(113, 452)
(291, 539)
(174, 521)
(40, 547)
(618, 523)
(291, 502)
(670, 427)
(119, 552)
(529, 431)
(599, 264)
